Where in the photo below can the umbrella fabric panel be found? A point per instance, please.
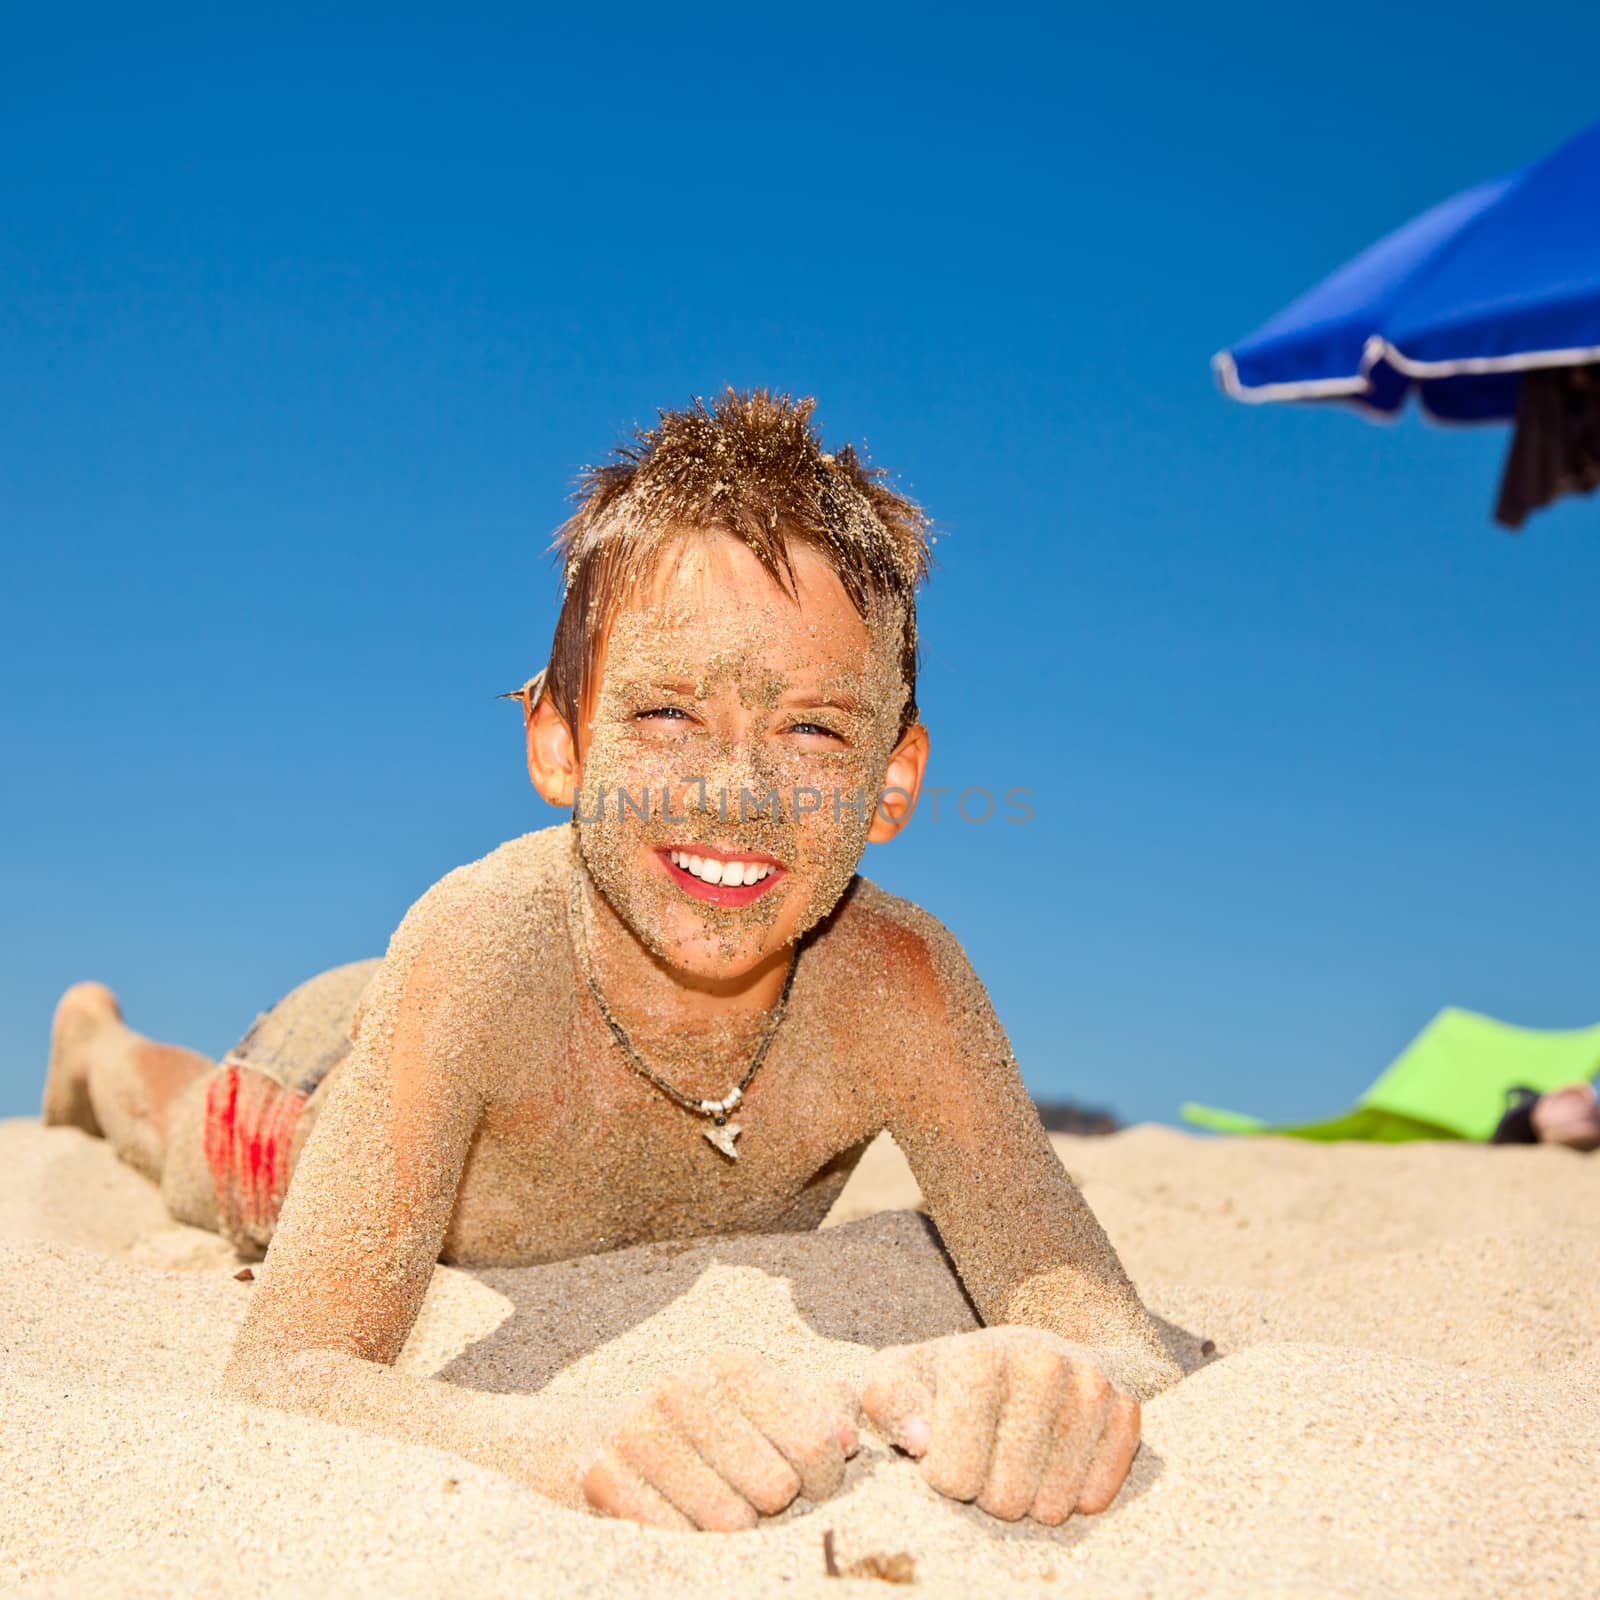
(1500, 279)
(1318, 344)
(1471, 397)
(1521, 280)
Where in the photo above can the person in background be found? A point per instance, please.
(1569, 1116)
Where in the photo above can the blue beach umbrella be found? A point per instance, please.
(1488, 305)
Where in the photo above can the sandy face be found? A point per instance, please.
(734, 724)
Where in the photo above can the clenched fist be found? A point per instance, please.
(716, 1450)
(1013, 1418)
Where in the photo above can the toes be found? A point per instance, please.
(88, 1001)
(80, 1012)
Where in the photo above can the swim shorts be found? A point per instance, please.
(255, 1099)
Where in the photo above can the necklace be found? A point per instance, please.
(721, 1133)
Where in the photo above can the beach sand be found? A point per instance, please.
(1402, 1397)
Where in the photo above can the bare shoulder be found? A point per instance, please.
(495, 905)
(921, 1023)
(891, 952)
(473, 954)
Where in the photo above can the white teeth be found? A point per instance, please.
(729, 874)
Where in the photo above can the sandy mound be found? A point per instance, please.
(1402, 1399)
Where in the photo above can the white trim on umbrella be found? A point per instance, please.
(1526, 361)
(1378, 349)
(1258, 393)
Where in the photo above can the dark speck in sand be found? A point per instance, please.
(886, 1567)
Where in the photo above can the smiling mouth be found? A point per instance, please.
(721, 878)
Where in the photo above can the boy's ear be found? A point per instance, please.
(901, 785)
(552, 756)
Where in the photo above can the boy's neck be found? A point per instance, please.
(640, 987)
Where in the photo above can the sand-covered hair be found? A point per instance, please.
(749, 465)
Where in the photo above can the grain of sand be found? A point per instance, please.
(1401, 1401)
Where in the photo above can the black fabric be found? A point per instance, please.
(1555, 449)
(1516, 1126)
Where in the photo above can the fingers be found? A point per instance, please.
(618, 1491)
(1008, 1417)
(1114, 1456)
(653, 1446)
(1037, 1384)
(968, 1389)
(733, 1446)
(802, 1424)
(898, 1396)
(717, 1453)
(1076, 1434)
(844, 1406)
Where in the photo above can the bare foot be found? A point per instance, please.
(1569, 1116)
(81, 1013)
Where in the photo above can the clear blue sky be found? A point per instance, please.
(309, 314)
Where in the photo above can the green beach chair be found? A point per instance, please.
(1450, 1082)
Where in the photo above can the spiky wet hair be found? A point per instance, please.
(749, 465)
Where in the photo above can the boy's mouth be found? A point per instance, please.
(721, 877)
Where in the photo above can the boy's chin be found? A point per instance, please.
(700, 958)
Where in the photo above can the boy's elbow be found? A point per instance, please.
(298, 1380)
(1162, 1372)
(249, 1378)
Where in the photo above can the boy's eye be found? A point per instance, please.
(670, 713)
(815, 728)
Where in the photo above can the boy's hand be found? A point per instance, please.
(1014, 1418)
(716, 1450)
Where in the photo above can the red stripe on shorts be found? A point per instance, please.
(250, 1121)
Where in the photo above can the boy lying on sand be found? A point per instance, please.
(681, 1014)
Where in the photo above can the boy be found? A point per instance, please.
(681, 1014)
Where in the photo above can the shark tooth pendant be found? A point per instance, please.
(722, 1134)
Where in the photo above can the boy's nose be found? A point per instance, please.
(736, 787)
(739, 767)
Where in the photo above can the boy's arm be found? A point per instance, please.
(361, 1230)
(993, 1410)
(356, 1245)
